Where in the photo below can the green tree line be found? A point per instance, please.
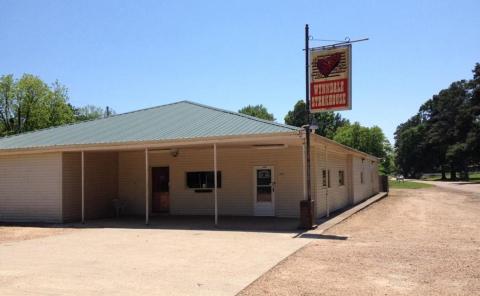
(28, 104)
(332, 125)
(444, 135)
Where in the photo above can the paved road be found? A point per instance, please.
(460, 185)
(413, 242)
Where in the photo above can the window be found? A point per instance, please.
(203, 180)
(328, 179)
(361, 177)
(324, 178)
(341, 178)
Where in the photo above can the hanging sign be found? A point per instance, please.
(331, 79)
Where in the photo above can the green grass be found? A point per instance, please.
(407, 185)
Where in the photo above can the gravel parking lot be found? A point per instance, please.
(414, 242)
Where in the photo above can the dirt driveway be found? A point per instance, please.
(414, 242)
(468, 187)
(130, 261)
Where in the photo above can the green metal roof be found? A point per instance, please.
(176, 121)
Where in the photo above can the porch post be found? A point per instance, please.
(215, 181)
(146, 187)
(83, 186)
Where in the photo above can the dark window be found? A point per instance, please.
(341, 178)
(324, 178)
(199, 180)
(329, 185)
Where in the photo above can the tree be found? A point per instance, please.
(410, 147)
(472, 140)
(89, 112)
(369, 140)
(7, 97)
(328, 122)
(60, 111)
(28, 104)
(258, 111)
(445, 133)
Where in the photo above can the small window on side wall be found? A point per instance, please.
(328, 179)
(324, 178)
(341, 178)
(203, 180)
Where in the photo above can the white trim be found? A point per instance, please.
(273, 185)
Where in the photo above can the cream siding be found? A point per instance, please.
(131, 181)
(72, 186)
(47, 187)
(369, 187)
(338, 196)
(101, 183)
(31, 188)
(235, 197)
(337, 162)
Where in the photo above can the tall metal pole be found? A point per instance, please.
(307, 103)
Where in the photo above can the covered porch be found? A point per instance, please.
(248, 176)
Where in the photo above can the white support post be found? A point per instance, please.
(83, 186)
(147, 208)
(304, 168)
(215, 181)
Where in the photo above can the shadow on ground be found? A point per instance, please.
(206, 223)
(171, 222)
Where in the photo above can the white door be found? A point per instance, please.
(264, 191)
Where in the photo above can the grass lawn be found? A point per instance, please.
(407, 185)
(474, 177)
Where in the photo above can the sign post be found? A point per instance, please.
(328, 87)
(307, 207)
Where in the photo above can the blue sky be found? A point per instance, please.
(135, 54)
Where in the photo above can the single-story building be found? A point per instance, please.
(162, 160)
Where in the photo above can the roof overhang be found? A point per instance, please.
(289, 138)
(319, 140)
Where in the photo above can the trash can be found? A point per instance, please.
(307, 214)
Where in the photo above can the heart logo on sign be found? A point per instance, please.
(328, 64)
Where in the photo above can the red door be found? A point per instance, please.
(160, 190)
